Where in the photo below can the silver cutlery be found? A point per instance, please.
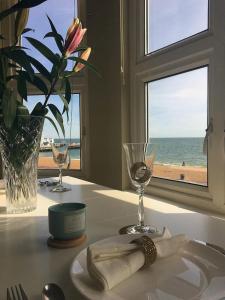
(52, 291)
(16, 293)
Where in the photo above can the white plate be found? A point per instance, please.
(196, 272)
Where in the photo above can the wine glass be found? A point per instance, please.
(61, 158)
(140, 159)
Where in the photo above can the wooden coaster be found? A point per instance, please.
(63, 244)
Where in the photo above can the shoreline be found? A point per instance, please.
(179, 165)
(192, 174)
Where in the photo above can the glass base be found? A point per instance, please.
(20, 210)
(135, 229)
(60, 189)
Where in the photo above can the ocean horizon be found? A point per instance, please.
(176, 151)
(170, 151)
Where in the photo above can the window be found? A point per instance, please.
(62, 16)
(49, 134)
(173, 21)
(177, 58)
(177, 119)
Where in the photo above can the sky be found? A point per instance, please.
(178, 104)
(61, 12)
(174, 20)
(74, 116)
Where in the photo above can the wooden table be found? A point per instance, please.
(26, 259)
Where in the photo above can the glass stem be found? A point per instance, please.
(60, 176)
(140, 191)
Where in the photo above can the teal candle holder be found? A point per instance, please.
(67, 220)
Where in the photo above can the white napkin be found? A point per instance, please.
(111, 264)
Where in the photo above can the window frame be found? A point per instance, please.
(78, 86)
(204, 48)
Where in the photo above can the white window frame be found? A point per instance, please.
(79, 86)
(205, 48)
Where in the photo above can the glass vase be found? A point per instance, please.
(19, 150)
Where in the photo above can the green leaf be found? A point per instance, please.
(21, 58)
(44, 50)
(40, 84)
(22, 87)
(79, 49)
(54, 71)
(8, 49)
(67, 90)
(54, 35)
(36, 81)
(27, 30)
(29, 3)
(40, 68)
(54, 29)
(53, 123)
(38, 110)
(65, 87)
(67, 74)
(86, 63)
(9, 107)
(56, 113)
(20, 5)
(58, 38)
(66, 104)
(67, 94)
(63, 66)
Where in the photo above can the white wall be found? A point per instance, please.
(108, 100)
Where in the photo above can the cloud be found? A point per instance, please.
(178, 105)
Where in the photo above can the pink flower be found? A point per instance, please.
(85, 55)
(74, 36)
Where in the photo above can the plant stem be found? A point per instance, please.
(54, 83)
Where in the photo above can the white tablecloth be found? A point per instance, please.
(26, 259)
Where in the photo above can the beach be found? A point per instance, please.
(183, 173)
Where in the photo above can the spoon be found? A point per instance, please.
(52, 291)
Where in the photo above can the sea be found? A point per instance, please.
(169, 151)
(176, 151)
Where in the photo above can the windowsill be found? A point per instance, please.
(198, 201)
(179, 205)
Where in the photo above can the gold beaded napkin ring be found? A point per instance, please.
(149, 249)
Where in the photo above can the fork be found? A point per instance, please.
(17, 293)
